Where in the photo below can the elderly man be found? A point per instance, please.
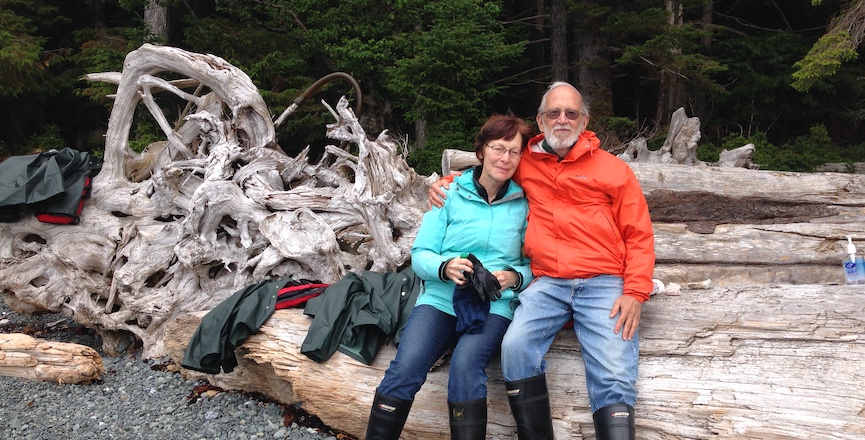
(591, 246)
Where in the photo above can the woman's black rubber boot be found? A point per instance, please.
(468, 419)
(530, 405)
(615, 422)
(387, 417)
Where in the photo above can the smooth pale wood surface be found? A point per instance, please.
(770, 361)
(47, 361)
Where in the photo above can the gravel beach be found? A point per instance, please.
(135, 399)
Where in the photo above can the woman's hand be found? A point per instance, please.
(457, 268)
(507, 278)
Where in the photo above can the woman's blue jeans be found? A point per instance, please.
(545, 307)
(428, 334)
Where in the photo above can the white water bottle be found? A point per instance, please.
(854, 267)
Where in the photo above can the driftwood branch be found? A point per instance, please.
(30, 358)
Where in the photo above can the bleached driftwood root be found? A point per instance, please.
(753, 362)
(213, 208)
(30, 358)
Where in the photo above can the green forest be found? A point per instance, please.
(784, 75)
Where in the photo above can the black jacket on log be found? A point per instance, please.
(357, 314)
(53, 184)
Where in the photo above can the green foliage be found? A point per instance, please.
(20, 49)
(804, 154)
(711, 153)
(854, 153)
(450, 64)
(144, 132)
(671, 48)
(451, 134)
(635, 25)
(439, 73)
(268, 58)
(757, 96)
(103, 50)
(434, 61)
(425, 162)
(823, 60)
(48, 137)
(655, 143)
(624, 128)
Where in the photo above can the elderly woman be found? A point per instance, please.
(477, 234)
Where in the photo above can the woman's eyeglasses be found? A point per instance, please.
(499, 151)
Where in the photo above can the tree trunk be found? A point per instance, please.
(537, 51)
(420, 133)
(559, 40)
(702, 101)
(156, 22)
(594, 82)
(671, 88)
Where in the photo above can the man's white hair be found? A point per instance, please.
(584, 109)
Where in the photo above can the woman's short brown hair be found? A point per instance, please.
(502, 127)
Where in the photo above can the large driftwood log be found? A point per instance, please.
(755, 362)
(46, 361)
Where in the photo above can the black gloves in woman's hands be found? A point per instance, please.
(484, 283)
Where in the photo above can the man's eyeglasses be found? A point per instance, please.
(555, 113)
(499, 151)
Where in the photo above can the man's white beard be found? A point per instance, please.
(561, 145)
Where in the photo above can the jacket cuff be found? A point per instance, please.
(519, 282)
(442, 275)
(638, 296)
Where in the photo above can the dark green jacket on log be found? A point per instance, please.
(359, 313)
(228, 324)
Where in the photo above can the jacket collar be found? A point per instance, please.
(508, 192)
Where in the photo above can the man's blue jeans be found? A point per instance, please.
(547, 305)
(428, 334)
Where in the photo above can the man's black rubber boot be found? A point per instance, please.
(615, 422)
(387, 417)
(468, 419)
(530, 405)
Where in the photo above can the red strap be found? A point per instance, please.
(297, 301)
(60, 219)
(300, 287)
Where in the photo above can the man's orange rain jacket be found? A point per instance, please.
(587, 216)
